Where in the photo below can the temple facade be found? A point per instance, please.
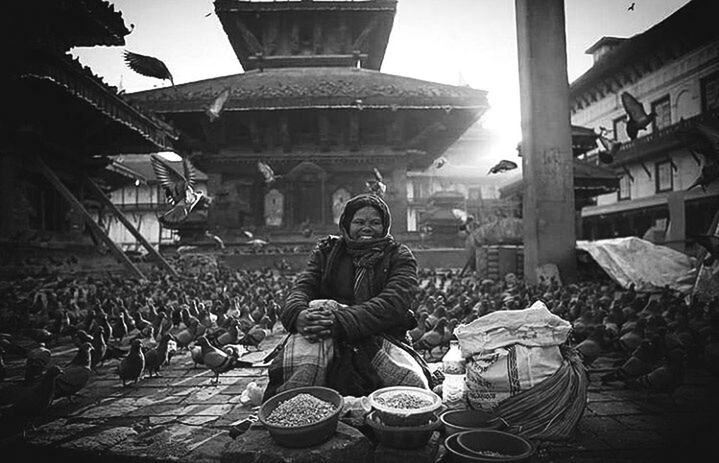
(313, 105)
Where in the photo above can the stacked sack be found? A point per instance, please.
(519, 368)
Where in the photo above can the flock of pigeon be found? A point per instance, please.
(136, 327)
(218, 316)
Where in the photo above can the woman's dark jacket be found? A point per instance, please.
(386, 313)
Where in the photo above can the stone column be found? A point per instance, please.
(548, 206)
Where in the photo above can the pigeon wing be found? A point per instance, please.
(213, 112)
(166, 174)
(633, 107)
(148, 66)
(266, 171)
(190, 172)
(377, 174)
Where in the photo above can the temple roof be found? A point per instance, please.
(65, 24)
(305, 88)
(139, 166)
(53, 99)
(252, 29)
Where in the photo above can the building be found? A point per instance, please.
(60, 123)
(673, 70)
(141, 202)
(313, 105)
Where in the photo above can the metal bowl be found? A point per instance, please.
(305, 435)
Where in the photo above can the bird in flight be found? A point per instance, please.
(638, 119)
(179, 190)
(213, 111)
(631, 7)
(609, 146)
(376, 185)
(267, 173)
(709, 150)
(148, 66)
(502, 166)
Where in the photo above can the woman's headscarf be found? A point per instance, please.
(358, 202)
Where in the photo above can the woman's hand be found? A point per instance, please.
(315, 324)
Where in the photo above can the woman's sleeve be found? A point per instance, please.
(390, 309)
(305, 289)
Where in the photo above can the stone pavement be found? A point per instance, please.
(181, 416)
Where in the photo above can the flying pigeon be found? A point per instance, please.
(609, 147)
(179, 190)
(148, 66)
(441, 161)
(638, 119)
(214, 110)
(631, 7)
(376, 186)
(707, 144)
(502, 166)
(267, 173)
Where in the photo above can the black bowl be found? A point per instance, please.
(484, 442)
(309, 434)
(455, 421)
(401, 437)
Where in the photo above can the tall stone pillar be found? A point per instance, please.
(548, 207)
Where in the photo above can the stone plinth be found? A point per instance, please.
(348, 445)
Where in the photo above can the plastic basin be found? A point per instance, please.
(305, 435)
(405, 416)
(455, 421)
(401, 437)
(491, 445)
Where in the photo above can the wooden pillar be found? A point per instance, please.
(676, 232)
(74, 203)
(548, 206)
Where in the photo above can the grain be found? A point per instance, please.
(300, 410)
(403, 400)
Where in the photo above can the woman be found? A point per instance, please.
(348, 313)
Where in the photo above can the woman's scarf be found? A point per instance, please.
(365, 253)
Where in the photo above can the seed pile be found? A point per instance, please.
(403, 400)
(492, 453)
(300, 410)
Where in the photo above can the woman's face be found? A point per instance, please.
(366, 224)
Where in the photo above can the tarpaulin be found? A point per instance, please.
(648, 266)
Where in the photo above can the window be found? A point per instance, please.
(710, 92)
(274, 208)
(619, 126)
(625, 184)
(664, 176)
(662, 109)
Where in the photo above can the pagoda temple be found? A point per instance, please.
(313, 105)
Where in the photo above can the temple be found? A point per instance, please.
(313, 105)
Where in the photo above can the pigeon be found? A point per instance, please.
(432, 338)
(196, 355)
(631, 7)
(593, 346)
(132, 366)
(148, 66)
(214, 110)
(36, 362)
(216, 239)
(158, 356)
(502, 166)
(179, 190)
(376, 185)
(32, 401)
(708, 242)
(267, 173)
(609, 147)
(99, 350)
(709, 149)
(639, 363)
(76, 375)
(416, 333)
(665, 378)
(218, 361)
(637, 118)
(440, 162)
(256, 334)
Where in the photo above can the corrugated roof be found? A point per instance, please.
(140, 164)
(315, 87)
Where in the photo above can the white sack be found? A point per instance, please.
(532, 327)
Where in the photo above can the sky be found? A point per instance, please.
(455, 42)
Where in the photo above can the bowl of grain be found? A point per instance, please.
(303, 416)
(405, 405)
